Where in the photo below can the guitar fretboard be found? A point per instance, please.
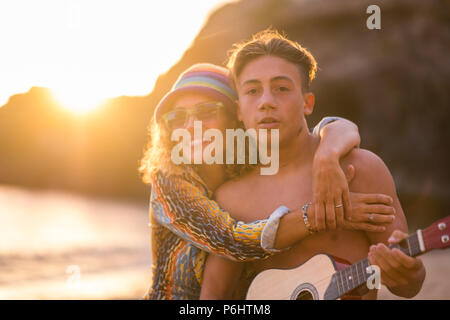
(357, 274)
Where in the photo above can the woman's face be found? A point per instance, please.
(201, 107)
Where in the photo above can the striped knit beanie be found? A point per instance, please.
(201, 78)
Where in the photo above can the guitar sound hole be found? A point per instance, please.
(305, 295)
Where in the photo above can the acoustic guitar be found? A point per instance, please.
(324, 278)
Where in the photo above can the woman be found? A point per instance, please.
(186, 223)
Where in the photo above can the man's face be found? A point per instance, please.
(271, 97)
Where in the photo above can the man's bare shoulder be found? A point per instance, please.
(373, 176)
(363, 157)
(371, 173)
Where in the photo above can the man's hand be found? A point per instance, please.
(372, 212)
(402, 274)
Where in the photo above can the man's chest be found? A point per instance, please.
(261, 199)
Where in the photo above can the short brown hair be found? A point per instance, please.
(271, 43)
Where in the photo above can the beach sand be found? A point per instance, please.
(56, 245)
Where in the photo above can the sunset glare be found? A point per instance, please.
(87, 51)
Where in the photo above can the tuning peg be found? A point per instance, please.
(444, 238)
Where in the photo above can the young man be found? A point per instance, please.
(272, 75)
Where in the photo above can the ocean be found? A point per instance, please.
(57, 245)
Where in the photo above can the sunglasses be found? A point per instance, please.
(204, 111)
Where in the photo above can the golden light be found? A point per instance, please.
(86, 51)
(77, 102)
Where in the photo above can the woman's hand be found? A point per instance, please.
(330, 187)
(330, 193)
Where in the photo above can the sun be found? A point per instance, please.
(79, 102)
(88, 51)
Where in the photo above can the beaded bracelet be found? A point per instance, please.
(305, 218)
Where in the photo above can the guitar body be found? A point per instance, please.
(326, 278)
(289, 284)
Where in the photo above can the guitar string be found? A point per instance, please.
(412, 250)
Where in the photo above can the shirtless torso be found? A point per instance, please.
(255, 196)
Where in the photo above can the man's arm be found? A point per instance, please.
(220, 278)
(403, 275)
(372, 175)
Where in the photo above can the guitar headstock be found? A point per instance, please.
(437, 235)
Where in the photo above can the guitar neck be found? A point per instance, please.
(357, 274)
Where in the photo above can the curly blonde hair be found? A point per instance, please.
(157, 156)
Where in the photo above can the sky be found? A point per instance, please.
(89, 50)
